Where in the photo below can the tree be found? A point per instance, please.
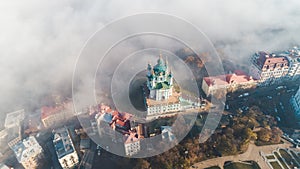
(189, 59)
(142, 164)
(250, 135)
(264, 135)
(276, 135)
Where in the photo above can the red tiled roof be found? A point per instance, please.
(120, 122)
(266, 59)
(47, 111)
(215, 80)
(131, 138)
(227, 79)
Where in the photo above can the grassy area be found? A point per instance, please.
(275, 165)
(281, 161)
(213, 167)
(237, 165)
(270, 157)
(288, 158)
(285, 155)
(296, 156)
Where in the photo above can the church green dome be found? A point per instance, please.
(160, 66)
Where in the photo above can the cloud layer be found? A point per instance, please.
(40, 40)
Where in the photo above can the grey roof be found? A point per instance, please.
(62, 143)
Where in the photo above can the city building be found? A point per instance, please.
(160, 95)
(52, 116)
(14, 118)
(132, 144)
(28, 152)
(142, 130)
(293, 56)
(64, 147)
(295, 101)
(104, 129)
(110, 121)
(12, 132)
(230, 82)
(269, 68)
(14, 135)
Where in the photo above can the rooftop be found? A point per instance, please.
(272, 60)
(114, 118)
(62, 142)
(132, 137)
(47, 111)
(238, 77)
(26, 149)
(160, 67)
(172, 99)
(14, 118)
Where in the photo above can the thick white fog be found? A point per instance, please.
(40, 40)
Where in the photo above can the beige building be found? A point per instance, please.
(28, 152)
(269, 68)
(51, 116)
(132, 144)
(229, 82)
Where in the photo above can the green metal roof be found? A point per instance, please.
(162, 85)
(160, 67)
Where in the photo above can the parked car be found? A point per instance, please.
(246, 94)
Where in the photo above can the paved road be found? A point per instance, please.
(252, 153)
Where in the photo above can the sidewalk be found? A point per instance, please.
(252, 153)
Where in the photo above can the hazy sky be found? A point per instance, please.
(40, 40)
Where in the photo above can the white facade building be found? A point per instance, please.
(159, 81)
(268, 68)
(293, 55)
(160, 96)
(163, 108)
(28, 152)
(295, 101)
(65, 150)
(132, 144)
